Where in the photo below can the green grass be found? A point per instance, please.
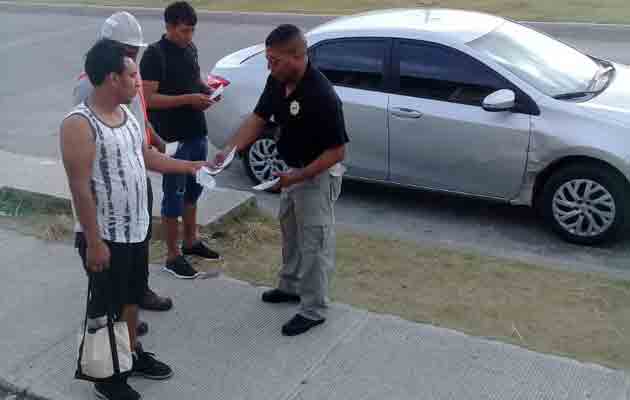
(604, 11)
(583, 316)
(18, 203)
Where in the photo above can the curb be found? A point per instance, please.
(235, 212)
(35, 201)
(49, 204)
(252, 18)
(153, 10)
(263, 18)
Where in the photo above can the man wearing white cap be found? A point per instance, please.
(123, 27)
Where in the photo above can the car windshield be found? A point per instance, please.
(548, 65)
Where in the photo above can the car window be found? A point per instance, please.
(352, 63)
(438, 73)
(550, 66)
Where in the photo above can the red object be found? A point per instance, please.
(214, 81)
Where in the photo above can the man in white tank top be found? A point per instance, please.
(123, 28)
(106, 155)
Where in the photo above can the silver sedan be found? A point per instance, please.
(465, 103)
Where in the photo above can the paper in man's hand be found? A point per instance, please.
(205, 179)
(267, 185)
(228, 159)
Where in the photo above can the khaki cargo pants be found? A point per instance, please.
(307, 221)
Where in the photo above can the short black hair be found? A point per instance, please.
(105, 57)
(180, 12)
(282, 35)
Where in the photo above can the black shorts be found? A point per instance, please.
(124, 281)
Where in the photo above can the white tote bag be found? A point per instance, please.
(104, 351)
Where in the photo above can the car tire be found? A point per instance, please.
(585, 218)
(262, 159)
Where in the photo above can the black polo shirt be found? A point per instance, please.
(310, 118)
(177, 71)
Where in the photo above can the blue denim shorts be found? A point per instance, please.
(183, 189)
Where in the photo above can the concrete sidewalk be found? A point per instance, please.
(224, 343)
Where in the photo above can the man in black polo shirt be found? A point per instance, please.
(177, 97)
(312, 143)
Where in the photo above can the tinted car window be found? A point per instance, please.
(352, 63)
(438, 73)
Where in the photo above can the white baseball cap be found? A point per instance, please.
(124, 28)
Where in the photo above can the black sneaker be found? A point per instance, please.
(115, 391)
(201, 250)
(181, 268)
(147, 366)
(299, 325)
(278, 296)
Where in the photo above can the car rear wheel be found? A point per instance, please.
(585, 204)
(262, 160)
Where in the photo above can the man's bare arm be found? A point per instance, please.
(328, 158)
(78, 151)
(156, 140)
(251, 128)
(158, 162)
(247, 133)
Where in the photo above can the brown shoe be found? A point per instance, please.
(153, 302)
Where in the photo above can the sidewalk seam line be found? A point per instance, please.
(353, 330)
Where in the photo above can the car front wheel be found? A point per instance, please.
(262, 160)
(586, 204)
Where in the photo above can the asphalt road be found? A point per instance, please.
(42, 52)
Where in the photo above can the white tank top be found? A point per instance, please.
(119, 178)
(84, 89)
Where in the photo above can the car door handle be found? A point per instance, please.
(403, 112)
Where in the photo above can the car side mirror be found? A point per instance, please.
(501, 100)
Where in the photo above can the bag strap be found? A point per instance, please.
(87, 306)
(110, 322)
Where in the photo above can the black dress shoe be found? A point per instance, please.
(278, 296)
(152, 302)
(299, 325)
(142, 328)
